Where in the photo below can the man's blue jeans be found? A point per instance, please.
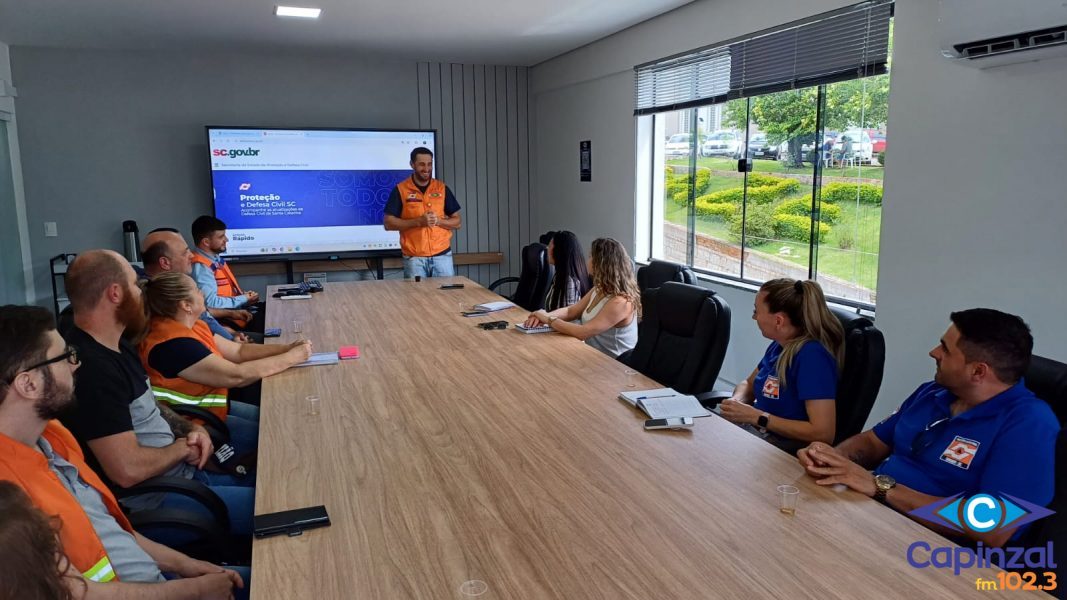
(429, 266)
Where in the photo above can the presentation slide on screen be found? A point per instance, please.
(308, 191)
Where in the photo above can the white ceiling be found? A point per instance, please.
(506, 32)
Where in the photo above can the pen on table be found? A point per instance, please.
(660, 396)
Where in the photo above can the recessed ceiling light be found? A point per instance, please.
(296, 11)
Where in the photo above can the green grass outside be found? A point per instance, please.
(719, 163)
(860, 223)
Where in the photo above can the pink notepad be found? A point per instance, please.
(348, 352)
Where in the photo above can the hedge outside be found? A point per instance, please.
(836, 192)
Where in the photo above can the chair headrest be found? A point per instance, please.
(850, 320)
(679, 305)
(534, 256)
(1047, 379)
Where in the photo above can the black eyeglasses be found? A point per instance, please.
(71, 356)
(494, 325)
(926, 437)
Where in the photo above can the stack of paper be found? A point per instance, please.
(665, 403)
(320, 358)
(488, 307)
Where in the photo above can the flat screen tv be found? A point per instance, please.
(284, 192)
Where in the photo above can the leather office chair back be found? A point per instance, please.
(1047, 379)
(658, 272)
(534, 278)
(861, 375)
(682, 337)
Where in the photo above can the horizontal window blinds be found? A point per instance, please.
(845, 44)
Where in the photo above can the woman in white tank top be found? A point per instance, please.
(605, 317)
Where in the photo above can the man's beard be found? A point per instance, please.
(56, 400)
(131, 315)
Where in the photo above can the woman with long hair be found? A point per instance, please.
(789, 399)
(571, 279)
(187, 364)
(606, 316)
(32, 563)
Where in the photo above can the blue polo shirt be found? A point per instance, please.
(812, 375)
(1005, 445)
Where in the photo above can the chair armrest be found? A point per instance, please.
(186, 487)
(713, 398)
(502, 281)
(215, 426)
(211, 534)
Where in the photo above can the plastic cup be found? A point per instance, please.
(298, 326)
(313, 405)
(631, 378)
(787, 499)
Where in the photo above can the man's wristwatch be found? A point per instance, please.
(882, 485)
(761, 422)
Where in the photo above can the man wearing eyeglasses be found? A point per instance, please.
(975, 428)
(42, 457)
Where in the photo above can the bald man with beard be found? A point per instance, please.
(127, 436)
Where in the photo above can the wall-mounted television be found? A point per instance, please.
(284, 192)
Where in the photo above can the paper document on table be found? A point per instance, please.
(493, 306)
(320, 358)
(664, 403)
(678, 406)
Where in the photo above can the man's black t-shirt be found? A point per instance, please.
(104, 386)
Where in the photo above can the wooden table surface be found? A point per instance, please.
(448, 454)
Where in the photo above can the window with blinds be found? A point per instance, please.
(845, 44)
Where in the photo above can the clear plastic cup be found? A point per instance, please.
(313, 405)
(631, 378)
(787, 499)
(298, 325)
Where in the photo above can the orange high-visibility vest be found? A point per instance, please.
(175, 390)
(28, 468)
(423, 241)
(224, 279)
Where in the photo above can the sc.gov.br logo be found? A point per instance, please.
(981, 513)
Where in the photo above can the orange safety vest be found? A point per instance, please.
(224, 279)
(175, 390)
(423, 241)
(28, 468)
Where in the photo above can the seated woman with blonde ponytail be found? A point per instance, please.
(789, 398)
(187, 364)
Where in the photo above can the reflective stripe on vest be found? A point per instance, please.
(176, 397)
(101, 572)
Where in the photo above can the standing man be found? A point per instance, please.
(214, 277)
(425, 212)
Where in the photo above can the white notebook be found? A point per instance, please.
(665, 403)
(542, 328)
(320, 358)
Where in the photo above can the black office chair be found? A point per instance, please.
(861, 375)
(682, 337)
(533, 280)
(658, 272)
(1047, 379)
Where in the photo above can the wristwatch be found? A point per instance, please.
(882, 485)
(761, 422)
(551, 319)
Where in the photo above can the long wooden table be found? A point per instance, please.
(448, 454)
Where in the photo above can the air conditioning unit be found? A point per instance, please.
(991, 33)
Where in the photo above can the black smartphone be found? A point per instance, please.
(290, 522)
(452, 286)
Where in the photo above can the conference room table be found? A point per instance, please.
(457, 462)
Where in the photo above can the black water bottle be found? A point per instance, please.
(131, 243)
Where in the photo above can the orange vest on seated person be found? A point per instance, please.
(28, 468)
(224, 279)
(423, 241)
(175, 390)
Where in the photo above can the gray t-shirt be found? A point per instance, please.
(130, 561)
(152, 431)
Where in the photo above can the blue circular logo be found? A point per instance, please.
(983, 513)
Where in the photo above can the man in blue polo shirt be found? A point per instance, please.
(975, 428)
